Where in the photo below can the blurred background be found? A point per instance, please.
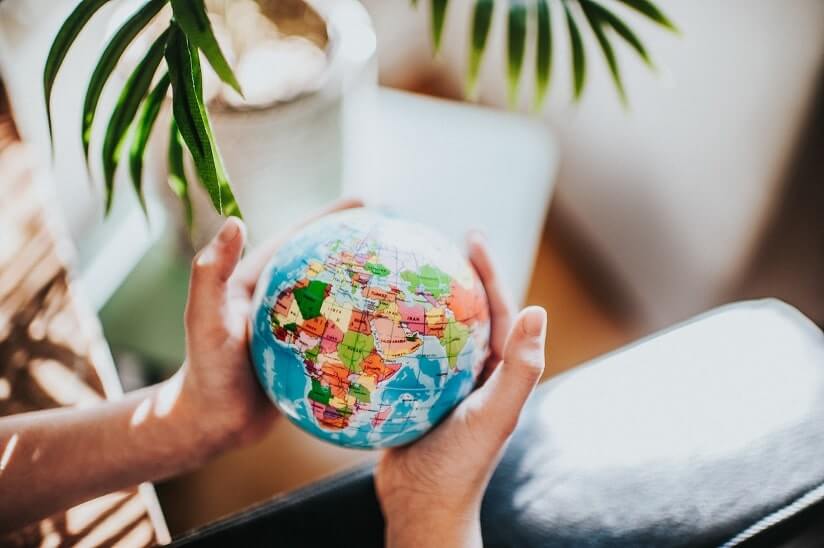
(707, 188)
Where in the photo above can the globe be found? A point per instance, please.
(368, 329)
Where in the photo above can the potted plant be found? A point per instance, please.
(307, 70)
(173, 63)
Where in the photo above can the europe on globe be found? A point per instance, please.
(368, 329)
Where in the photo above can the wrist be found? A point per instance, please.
(188, 417)
(429, 524)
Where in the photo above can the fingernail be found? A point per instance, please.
(476, 234)
(534, 321)
(229, 231)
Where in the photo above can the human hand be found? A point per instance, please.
(431, 491)
(217, 388)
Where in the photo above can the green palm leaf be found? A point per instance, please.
(651, 11)
(579, 60)
(177, 174)
(621, 28)
(144, 123)
(596, 23)
(481, 22)
(438, 20)
(193, 121)
(136, 87)
(543, 52)
(60, 47)
(600, 18)
(107, 62)
(516, 47)
(191, 16)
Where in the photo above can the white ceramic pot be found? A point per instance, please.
(289, 159)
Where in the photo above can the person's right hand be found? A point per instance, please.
(430, 491)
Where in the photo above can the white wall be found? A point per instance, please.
(673, 192)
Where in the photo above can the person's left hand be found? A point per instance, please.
(430, 491)
(216, 387)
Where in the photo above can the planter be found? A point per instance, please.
(288, 159)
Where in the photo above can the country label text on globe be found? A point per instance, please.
(368, 330)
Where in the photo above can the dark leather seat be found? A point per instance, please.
(710, 433)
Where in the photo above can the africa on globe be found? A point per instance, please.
(367, 330)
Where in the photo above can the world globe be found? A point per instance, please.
(367, 330)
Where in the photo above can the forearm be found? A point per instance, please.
(51, 460)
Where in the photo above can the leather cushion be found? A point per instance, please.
(687, 438)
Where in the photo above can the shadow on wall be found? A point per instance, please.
(789, 263)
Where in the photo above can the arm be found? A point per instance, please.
(51, 460)
(431, 491)
(54, 459)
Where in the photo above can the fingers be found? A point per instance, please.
(499, 308)
(211, 269)
(251, 267)
(495, 407)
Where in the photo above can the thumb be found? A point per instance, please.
(502, 397)
(211, 269)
